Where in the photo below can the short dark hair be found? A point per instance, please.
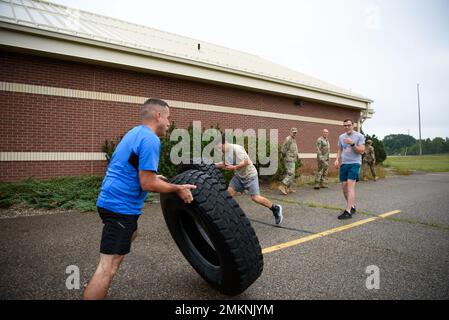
(159, 102)
(346, 120)
(152, 105)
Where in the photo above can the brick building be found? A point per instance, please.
(71, 79)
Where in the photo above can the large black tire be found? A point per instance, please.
(210, 169)
(214, 234)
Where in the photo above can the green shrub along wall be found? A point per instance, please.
(81, 192)
(168, 169)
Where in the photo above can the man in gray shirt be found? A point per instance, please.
(351, 146)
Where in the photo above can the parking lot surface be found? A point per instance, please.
(410, 248)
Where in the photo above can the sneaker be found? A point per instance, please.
(345, 215)
(353, 210)
(277, 213)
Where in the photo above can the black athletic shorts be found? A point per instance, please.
(117, 232)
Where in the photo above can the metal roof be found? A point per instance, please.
(52, 17)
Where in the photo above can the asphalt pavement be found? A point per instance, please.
(409, 248)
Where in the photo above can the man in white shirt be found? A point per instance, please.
(246, 178)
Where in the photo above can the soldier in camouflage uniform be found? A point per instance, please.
(322, 146)
(369, 159)
(290, 153)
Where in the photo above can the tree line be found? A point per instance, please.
(403, 144)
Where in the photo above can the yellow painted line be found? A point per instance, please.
(326, 233)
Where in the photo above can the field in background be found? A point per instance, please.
(427, 163)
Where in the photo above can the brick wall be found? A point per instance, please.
(19, 170)
(31, 122)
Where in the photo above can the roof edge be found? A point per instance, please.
(197, 64)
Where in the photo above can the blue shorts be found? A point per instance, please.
(349, 172)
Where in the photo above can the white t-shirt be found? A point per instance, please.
(236, 154)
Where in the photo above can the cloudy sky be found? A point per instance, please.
(377, 48)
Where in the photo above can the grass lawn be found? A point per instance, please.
(427, 163)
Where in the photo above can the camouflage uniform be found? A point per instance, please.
(369, 159)
(322, 146)
(290, 153)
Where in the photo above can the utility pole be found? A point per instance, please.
(419, 119)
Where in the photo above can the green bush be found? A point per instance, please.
(68, 193)
(168, 169)
(81, 192)
(109, 147)
(280, 169)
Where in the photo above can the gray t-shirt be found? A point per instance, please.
(237, 154)
(348, 155)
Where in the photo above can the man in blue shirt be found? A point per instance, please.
(351, 146)
(132, 172)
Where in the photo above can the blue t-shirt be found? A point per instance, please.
(121, 192)
(348, 155)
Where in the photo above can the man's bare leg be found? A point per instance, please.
(345, 190)
(350, 189)
(101, 280)
(262, 200)
(256, 198)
